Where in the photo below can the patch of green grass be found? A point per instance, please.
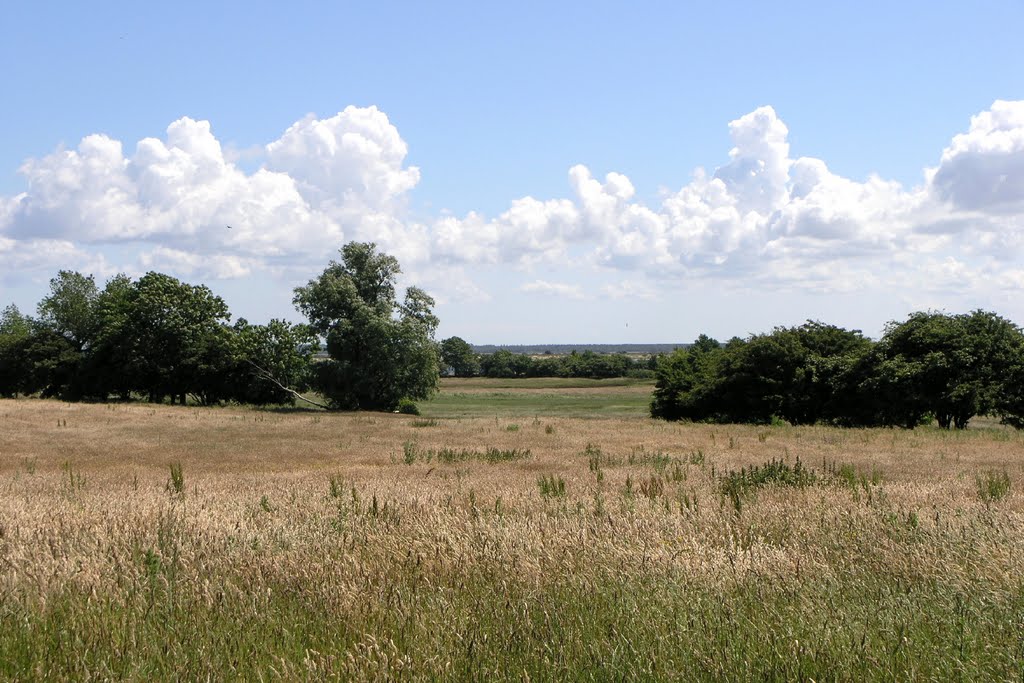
(411, 453)
(176, 484)
(551, 486)
(993, 486)
(736, 484)
(541, 396)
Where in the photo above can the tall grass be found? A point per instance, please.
(313, 551)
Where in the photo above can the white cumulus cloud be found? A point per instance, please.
(983, 169)
(763, 218)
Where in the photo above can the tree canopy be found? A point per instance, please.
(381, 349)
(458, 356)
(931, 366)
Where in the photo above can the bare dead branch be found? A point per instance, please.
(264, 374)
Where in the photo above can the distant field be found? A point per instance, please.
(476, 397)
(179, 543)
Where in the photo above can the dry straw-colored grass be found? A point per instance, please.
(343, 515)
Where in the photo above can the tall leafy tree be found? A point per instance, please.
(1010, 402)
(70, 307)
(686, 382)
(950, 366)
(381, 349)
(109, 369)
(174, 339)
(15, 328)
(457, 354)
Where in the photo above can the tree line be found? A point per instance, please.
(932, 366)
(155, 337)
(158, 338)
(459, 360)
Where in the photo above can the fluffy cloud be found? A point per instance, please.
(355, 156)
(767, 218)
(983, 169)
(763, 218)
(323, 182)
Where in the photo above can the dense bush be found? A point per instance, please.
(950, 367)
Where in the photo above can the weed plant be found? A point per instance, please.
(551, 486)
(993, 486)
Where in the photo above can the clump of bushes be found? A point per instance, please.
(408, 407)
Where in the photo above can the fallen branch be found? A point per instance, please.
(264, 374)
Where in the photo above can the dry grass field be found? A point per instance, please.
(141, 542)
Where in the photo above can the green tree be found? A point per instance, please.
(950, 366)
(1010, 402)
(817, 386)
(381, 350)
(109, 366)
(686, 382)
(796, 373)
(46, 363)
(457, 354)
(15, 328)
(274, 361)
(70, 307)
(170, 338)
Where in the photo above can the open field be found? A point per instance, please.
(516, 545)
(548, 396)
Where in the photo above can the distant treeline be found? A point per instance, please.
(566, 349)
(460, 359)
(932, 366)
(157, 338)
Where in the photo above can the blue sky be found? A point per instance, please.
(859, 161)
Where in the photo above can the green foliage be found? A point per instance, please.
(408, 407)
(14, 329)
(380, 350)
(1010, 397)
(70, 308)
(269, 358)
(774, 472)
(686, 381)
(43, 362)
(993, 486)
(411, 453)
(588, 364)
(952, 367)
(551, 486)
(161, 337)
(458, 357)
(176, 484)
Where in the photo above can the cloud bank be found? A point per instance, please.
(761, 219)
